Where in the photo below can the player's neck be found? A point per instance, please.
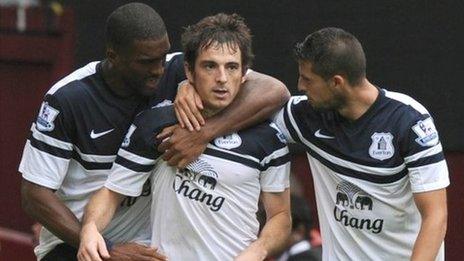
(359, 100)
(114, 81)
(208, 112)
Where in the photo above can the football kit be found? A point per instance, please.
(208, 210)
(366, 171)
(73, 143)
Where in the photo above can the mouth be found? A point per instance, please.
(221, 93)
(152, 82)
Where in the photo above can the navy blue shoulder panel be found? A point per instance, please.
(141, 137)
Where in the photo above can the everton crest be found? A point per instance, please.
(229, 141)
(382, 146)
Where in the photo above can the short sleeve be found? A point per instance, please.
(138, 155)
(276, 174)
(49, 147)
(424, 156)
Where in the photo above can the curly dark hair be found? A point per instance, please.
(218, 29)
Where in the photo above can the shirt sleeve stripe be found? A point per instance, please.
(426, 160)
(89, 165)
(278, 153)
(277, 162)
(50, 140)
(42, 146)
(135, 158)
(425, 153)
(134, 166)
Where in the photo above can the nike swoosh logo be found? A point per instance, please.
(320, 135)
(94, 135)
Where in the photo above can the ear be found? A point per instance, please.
(338, 81)
(244, 76)
(188, 73)
(111, 55)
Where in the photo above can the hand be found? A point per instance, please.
(182, 147)
(92, 246)
(134, 251)
(188, 107)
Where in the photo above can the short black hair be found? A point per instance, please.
(333, 51)
(222, 29)
(133, 21)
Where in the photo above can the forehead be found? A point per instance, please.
(220, 53)
(306, 69)
(150, 47)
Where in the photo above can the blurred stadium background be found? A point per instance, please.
(414, 47)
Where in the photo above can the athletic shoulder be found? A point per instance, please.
(174, 67)
(67, 85)
(262, 139)
(413, 122)
(141, 136)
(156, 118)
(406, 106)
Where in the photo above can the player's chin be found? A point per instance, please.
(148, 90)
(219, 105)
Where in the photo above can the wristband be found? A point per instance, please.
(108, 243)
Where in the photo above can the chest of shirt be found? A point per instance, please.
(100, 127)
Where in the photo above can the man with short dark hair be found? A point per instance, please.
(82, 122)
(206, 211)
(379, 172)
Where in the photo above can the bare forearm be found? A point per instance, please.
(433, 209)
(101, 207)
(260, 97)
(45, 207)
(430, 238)
(274, 234)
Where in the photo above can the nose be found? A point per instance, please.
(157, 69)
(221, 76)
(300, 86)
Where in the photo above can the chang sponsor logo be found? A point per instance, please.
(352, 197)
(197, 182)
(342, 216)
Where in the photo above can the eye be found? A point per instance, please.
(209, 66)
(233, 67)
(305, 80)
(152, 61)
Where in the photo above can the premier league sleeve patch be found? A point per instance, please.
(47, 115)
(426, 132)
